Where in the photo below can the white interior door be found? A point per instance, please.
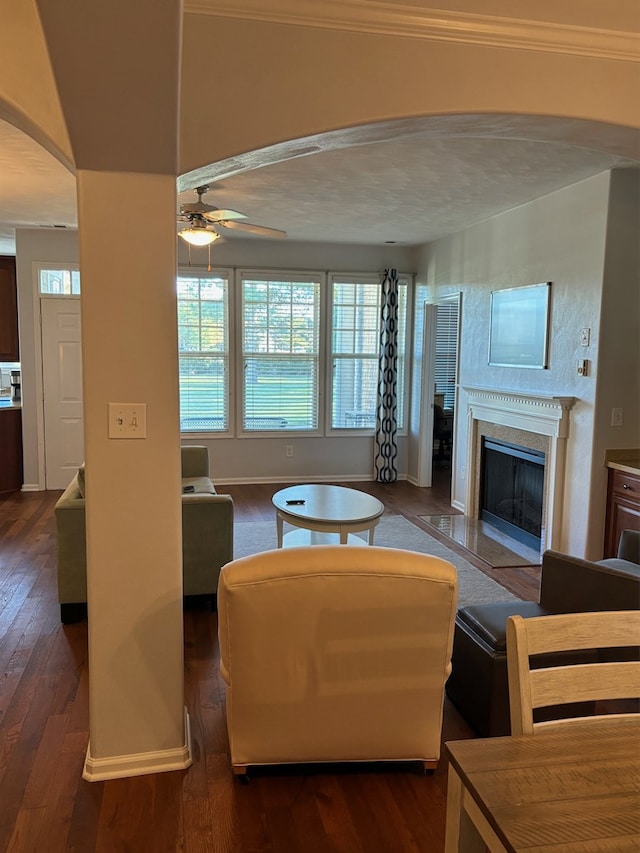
(62, 390)
(425, 437)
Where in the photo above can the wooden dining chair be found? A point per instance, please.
(553, 685)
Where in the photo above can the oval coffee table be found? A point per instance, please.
(325, 515)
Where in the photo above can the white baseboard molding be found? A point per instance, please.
(31, 487)
(304, 478)
(139, 764)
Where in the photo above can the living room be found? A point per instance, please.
(580, 238)
(129, 284)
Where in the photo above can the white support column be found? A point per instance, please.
(121, 109)
(134, 556)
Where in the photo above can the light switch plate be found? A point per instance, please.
(127, 420)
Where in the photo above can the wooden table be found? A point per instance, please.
(571, 790)
(325, 514)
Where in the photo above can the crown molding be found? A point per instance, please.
(380, 18)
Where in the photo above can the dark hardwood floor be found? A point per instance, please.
(45, 805)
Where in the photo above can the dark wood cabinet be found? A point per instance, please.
(11, 471)
(9, 349)
(623, 508)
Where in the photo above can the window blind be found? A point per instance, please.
(355, 343)
(280, 351)
(203, 347)
(446, 350)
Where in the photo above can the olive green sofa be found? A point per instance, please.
(207, 535)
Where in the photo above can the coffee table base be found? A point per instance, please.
(298, 537)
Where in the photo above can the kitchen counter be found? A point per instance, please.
(623, 460)
(8, 403)
(623, 496)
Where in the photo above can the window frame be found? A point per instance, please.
(50, 266)
(283, 275)
(227, 274)
(333, 278)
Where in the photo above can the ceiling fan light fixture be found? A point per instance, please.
(198, 236)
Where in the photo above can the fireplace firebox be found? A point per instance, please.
(512, 490)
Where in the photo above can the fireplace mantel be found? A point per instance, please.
(535, 413)
(541, 414)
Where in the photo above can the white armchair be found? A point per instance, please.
(335, 653)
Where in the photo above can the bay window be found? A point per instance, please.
(305, 345)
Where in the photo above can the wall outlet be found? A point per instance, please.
(127, 420)
(289, 450)
(585, 337)
(583, 367)
(616, 417)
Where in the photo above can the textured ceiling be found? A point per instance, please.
(35, 189)
(409, 190)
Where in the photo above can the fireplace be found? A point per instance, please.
(538, 423)
(512, 490)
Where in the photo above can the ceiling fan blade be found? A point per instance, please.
(216, 215)
(260, 230)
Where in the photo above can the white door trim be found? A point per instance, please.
(425, 431)
(36, 266)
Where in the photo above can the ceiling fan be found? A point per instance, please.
(203, 222)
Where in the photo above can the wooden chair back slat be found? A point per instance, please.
(556, 685)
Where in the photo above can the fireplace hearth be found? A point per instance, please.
(512, 490)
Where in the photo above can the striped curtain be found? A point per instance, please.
(386, 443)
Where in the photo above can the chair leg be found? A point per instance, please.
(241, 772)
(429, 767)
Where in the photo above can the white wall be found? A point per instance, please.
(559, 238)
(285, 254)
(619, 340)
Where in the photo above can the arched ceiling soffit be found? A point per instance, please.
(29, 98)
(24, 125)
(411, 181)
(618, 142)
